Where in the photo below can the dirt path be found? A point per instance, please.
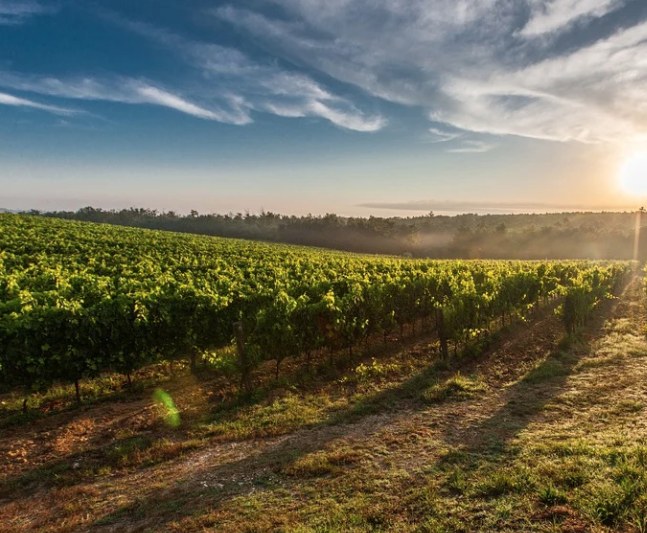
(526, 388)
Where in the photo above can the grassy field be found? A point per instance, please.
(540, 433)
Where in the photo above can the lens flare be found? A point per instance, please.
(167, 406)
(633, 175)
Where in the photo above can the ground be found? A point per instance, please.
(538, 433)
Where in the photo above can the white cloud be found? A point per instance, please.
(249, 85)
(596, 93)
(7, 99)
(344, 119)
(127, 91)
(482, 66)
(19, 11)
(153, 95)
(440, 136)
(476, 65)
(268, 88)
(273, 92)
(227, 86)
(549, 16)
(472, 147)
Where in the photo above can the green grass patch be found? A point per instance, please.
(322, 463)
(557, 365)
(277, 417)
(456, 388)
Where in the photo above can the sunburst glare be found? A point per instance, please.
(633, 175)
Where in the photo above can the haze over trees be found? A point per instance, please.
(578, 235)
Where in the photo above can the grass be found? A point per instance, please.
(273, 418)
(551, 496)
(59, 398)
(322, 463)
(456, 388)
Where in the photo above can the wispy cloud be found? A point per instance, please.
(461, 146)
(19, 11)
(123, 90)
(468, 206)
(227, 86)
(154, 95)
(436, 135)
(550, 16)
(477, 65)
(265, 87)
(472, 147)
(474, 66)
(349, 119)
(10, 100)
(249, 85)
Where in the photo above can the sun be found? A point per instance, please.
(633, 175)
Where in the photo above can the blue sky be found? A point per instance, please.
(350, 106)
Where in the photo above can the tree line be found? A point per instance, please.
(530, 236)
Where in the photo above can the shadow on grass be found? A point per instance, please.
(100, 458)
(226, 398)
(201, 488)
(527, 398)
(185, 498)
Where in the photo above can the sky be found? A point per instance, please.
(357, 107)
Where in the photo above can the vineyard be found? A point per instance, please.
(79, 299)
(352, 392)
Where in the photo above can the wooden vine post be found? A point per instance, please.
(442, 333)
(243, 363)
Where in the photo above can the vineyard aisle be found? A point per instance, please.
(534, 435)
